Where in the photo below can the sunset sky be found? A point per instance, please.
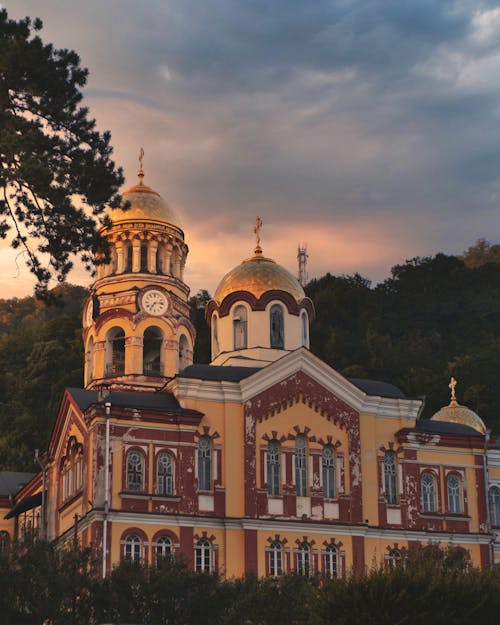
(369, 130)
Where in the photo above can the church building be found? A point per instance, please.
(266, 460)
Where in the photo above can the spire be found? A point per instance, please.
(256, 229)
(140, 173)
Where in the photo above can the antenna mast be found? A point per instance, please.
(302, 257)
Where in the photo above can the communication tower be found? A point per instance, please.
(302, 257)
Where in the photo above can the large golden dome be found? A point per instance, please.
(257, 275)
(145, 205)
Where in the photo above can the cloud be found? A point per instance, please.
(319, 115)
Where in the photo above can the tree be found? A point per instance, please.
(56, 175)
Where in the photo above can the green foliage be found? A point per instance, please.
(41, 353)
(43, 583)
(56, 174)
(202, 347)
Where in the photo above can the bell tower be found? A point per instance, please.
(137, 332)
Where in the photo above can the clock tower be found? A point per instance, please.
(137, 332)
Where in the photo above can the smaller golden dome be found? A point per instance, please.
(145, 205)
(257, 275)
(456, 413)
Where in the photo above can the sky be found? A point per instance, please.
(368, 130)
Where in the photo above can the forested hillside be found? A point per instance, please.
(433, 318)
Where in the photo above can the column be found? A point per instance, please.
(136, 255)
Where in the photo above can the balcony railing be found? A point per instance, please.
(153, 369)
(115, 368)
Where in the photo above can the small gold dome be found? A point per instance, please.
(456, 413)
(145, 205)
(257, 275)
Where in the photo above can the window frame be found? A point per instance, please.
(331, 561)
(162, 479)
(273, 468)
(457, 496)
(276, 327)
(203, 555)
(205, 460)
(328, 472)
(494, 505)
(303, 559)
(240, 325)
(390, 478)
(142, 472)
(429, 505)
(301, 466)
(276, 559)
(134, 543)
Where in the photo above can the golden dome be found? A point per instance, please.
(145, 205)
(455, 413)
(258, 275)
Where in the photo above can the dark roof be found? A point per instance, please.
(445, 427)
(12, 481)
(142, 401)
(217, 373)
(379, 389)
(28, 503)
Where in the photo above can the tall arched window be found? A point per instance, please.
(90, 360)
(390, 478)
(328, 468)
(301, 466)
(331, 562)
(303, 556)
(428, 483)
(494, 501)
(160, 258)
(304, 329)
(184, 359)
(203, 556)
(240, 327)
(165, 474)
(151, 351)
(273, 468)
(127, 257)
(277, 327)
(132, 548)
(454, 494)
(144, 256)
(215, 335)
(163, 548)
(205, 463)
(275, 559)
(115, 352)
(135, 471)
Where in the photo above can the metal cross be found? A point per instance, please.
(256, 229)
(141, 156)
(452, 386)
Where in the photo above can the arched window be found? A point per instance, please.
(428, 482)
(390, 478)
(184, 360)
(304, 329)
(132, 548)
(205, 463)
(394, 559)
(328, 468)
(273, 468)
(165, 474)
(203, 556)
(151, 351)
(90, 360)
(144, 256)
(115, 352)
(163, 548)
(4, 543)
(454, 494)
(113, 260)
(494, 501)
(301, 466)
(303, 559)
(331, 562)
(215, 336)
(240, 327)
(127, 257)
(135, 471)
(277, 326)
(275, 559)
(160, 258)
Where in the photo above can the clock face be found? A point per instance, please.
(154, 302)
